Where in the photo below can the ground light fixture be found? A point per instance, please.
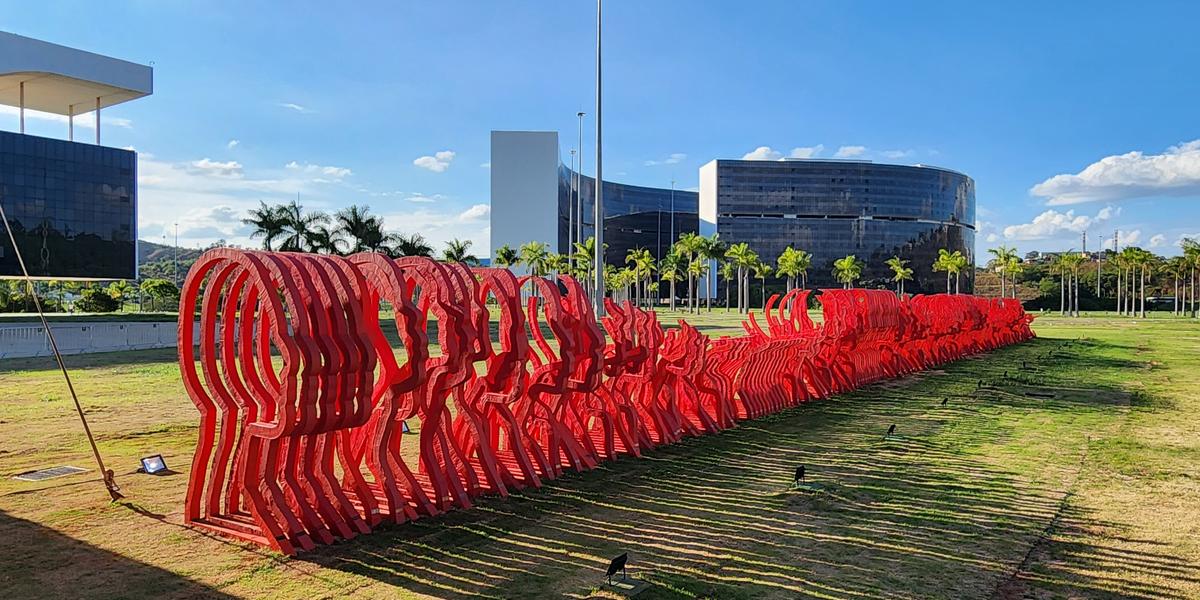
(891, 430)
(154, 465)
(799, 475)
(617, 564)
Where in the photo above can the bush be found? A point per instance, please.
(96, 301)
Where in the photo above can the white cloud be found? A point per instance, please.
(82, 121)
(1158, 240)
(894, 154)
(438, 226)
(231, 168)
(333, 172)
(296, 107)
(991, 237)
(486, 165)
(762, 153)
(1187, 236)
(1052, 224)
(1175, 172)
(849, 151)
(438, 163)
(806, 151)
(423, 199)
(476, 213)
(673, 159)
(233, 144)
(1129, 238)
(768, 153)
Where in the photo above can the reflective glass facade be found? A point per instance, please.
(72, 206)
(835, 208)
(634, 216)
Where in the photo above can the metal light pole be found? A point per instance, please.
(571, 209)
(579, 182)
(672, 211)
(598, 297)
(177, 255)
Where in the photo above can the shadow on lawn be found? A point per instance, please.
(919, 512)
(79, 570)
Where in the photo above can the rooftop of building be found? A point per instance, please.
(56, 79)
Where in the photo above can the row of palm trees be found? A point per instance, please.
(289, 228)
(691, 260)
(1135, 270)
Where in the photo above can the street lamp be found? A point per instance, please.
(598, 297)
(579, 182)
(571, 208)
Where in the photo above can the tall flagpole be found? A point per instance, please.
(598, 297)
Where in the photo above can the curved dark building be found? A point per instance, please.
(634, 216)
(832, 208)
(533, 199)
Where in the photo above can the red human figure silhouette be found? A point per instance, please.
(394, 490)
(503, 382)
(545, 411)
(439, 458)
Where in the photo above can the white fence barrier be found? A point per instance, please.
(29, 339)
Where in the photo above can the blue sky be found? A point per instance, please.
(1070, 116)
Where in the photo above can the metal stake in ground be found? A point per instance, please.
(110, 482)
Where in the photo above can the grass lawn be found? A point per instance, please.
(1093, 492)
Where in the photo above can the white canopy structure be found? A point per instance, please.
(47, 77)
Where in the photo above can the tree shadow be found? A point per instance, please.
(80, 570)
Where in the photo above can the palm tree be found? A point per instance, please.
(363, 230)
(534, 255)
(1191, 252)
(298, 227)
(645, 266)
(636, 257)
(761, 271)
(669, 270)
(847, 270)
(900, 273)
(787, 266)
(506, 257)
(321, 238)
(583, 260)
(952, 263)
(713, 249)
(459, 251)
(689, 244)
(414, 244)
(697, 269)
(268, 223)
(728, 271)
(959, 264)
(556, 263)
(1004, 258)
(1014, 268)
(742, 257)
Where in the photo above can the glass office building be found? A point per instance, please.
(72, 208)
(634, 216)
(833, 208)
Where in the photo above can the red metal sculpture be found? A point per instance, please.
(295, 372)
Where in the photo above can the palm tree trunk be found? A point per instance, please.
(1143, 291)
(947, 282)
(1062, 293)
(727, 307)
